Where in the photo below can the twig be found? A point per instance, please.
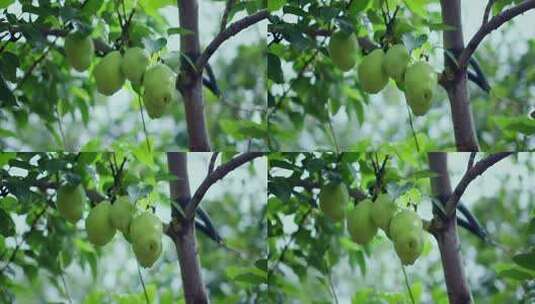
(494, 23)
(487, 12)
(219, 173)
(407, 283)
(32, 227)
(471, 160)
(144, 125)
(412, 129)
(142, 283)
(226, 13)
(60, 125)
(355, 193)
(212, 162)
(290, 241)
(34, 64)
(334, 136)
(471, 174)
(230, 31)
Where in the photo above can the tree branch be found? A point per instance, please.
(487, 12)
(216, 175)
(470, 175)
(100, 46)
(455, 83)
(355, 193)
(494, 23)
(228, 32)
(445, 232)
(182, 231)
(32, 227)
(364, 42)
(190, 81)
(224, 19)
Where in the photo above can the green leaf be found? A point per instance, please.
(6, 3)
(516, 274)
(274, 69)
(243, 129)
(418, 7)
(7, 226)
(526, 260)
(275, 5)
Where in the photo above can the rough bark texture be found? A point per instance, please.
(190, 81)
(455, 85)
(183, 232)
(446, 234)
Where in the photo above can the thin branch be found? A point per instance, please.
(32, 227)
(471, 160)
(212, 162)
(100, 46)
(470, 175)
(487, 12)
(230, 31)
(212, 79)
(93, 195)
(365, 43)
(355, 193)
(34, 64)
(494, 23)
(290, 241)
(226, 13)
(213, 177)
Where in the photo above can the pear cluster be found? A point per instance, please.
(111, 72)
(404, 227)
(143, 231)
(416, 80)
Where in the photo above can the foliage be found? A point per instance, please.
(40, 91)
(308, 251)
(312, 105)
(42, 255)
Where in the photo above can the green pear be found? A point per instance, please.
(383, 210)
(108, 74)
(333, 199)
(409, 246)
(420, 82)
(342, 49)
(147, 248)
(121, 214)
(79, 51)
(396, 61)
(134, 64)
(98, 225)
(144, 223)
(404, 221)
(159, 83)
(372, 76)
(71, 202)
(360, 224)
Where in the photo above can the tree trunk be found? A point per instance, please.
(190, 81)
(461, 113)
(446, 234)
(183, 232)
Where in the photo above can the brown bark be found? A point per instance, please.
(446, 234)
(183, 232)
(190, 81)
(455, 85)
